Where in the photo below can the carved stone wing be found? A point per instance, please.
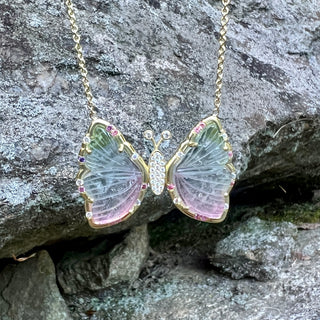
(113, 178)
(200, 175)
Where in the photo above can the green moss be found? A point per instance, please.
(296, 213)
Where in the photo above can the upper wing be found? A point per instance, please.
(200, 175)
(112, 176)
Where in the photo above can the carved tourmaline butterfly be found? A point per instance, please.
(113, 178)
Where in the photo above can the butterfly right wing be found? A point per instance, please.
(112, 178)
(200, 175)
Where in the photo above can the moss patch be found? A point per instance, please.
(295, 213)
(177, 230)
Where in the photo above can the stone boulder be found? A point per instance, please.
(100, 268)
(152, 65)
(29, 291)
(258, 249)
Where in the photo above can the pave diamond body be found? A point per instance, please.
(157, 172)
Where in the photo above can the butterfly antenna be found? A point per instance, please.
(165, 135)
(148, 134)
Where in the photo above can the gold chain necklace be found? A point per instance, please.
(113, 178)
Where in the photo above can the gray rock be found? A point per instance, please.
(190, 293)
(28, 290)
(128, 258)
(152, 65)
(308, 243)
(256, 249)
(98, 269)
(88, 270)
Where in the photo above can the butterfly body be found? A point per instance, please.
(157, 172)
(113, 178)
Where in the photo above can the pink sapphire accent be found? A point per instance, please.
(170, 186)
(201, 217)
(197, 129)
(232, 183)
(144, 186)
(114, 132)
(202, 125)
(109, 128)
(230, 154)
(82, 189)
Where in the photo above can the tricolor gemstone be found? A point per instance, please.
(112, 176)
(202, 178)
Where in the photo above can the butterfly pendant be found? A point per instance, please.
(113, 178)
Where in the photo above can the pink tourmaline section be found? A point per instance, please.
(81, 189)
(170, 187)
(202, 125)
(114, 209)
(203, 205)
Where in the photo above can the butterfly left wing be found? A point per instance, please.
(200, 175)
(112, 178)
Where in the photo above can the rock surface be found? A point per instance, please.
(99, 268)
(191, 292)
(256, 249)
(128, 258)
(152, 66)
(29, 291)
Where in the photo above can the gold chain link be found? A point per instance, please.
(84, 72)
(221, 55)
(81, 61)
